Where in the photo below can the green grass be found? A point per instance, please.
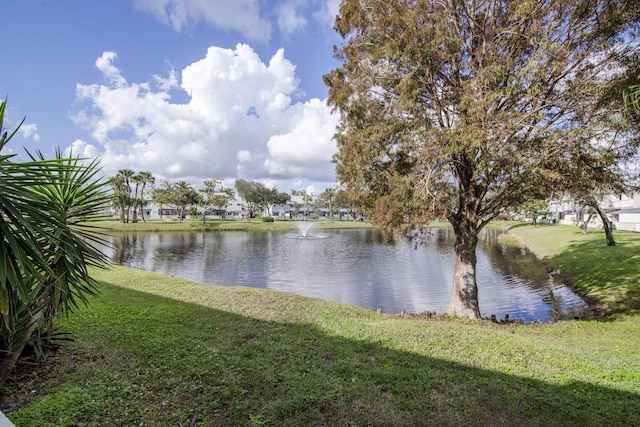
(255, 224)
(156, 350)
(608, 275)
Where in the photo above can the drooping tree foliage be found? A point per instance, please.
(460, 109)
(45, 244)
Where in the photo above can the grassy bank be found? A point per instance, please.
(255, 224)
(156, 350)
(609, 276)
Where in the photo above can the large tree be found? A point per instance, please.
(461, 109)
(252, 194)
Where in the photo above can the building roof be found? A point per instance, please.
(626, 211)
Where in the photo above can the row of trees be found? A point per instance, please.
(180, 195)
(462, 110)
(128, 192)
(332, 200)
(45, 246)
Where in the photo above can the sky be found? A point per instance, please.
(185, 89)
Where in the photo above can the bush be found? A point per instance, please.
(267, 219)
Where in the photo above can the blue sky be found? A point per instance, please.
(185, 89)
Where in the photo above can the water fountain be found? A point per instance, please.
(304, 227)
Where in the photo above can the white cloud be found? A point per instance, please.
(327, 15)
(30, 131)
(104, 64)
(290, 16)
(82, 149)
(307, 147)
(242, 121)
(238, 15)
(167, 83)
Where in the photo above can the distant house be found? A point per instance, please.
(622, 209)
(625, 211)
(235, 209)
(298, 207)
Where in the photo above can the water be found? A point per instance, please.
(355, 267)
(304, 227)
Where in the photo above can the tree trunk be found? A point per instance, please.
(606, 223)
(586, 223)
(9, 359)
(464, 295)
(134, 216)
(142, 203)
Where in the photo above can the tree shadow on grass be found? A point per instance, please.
(143, 359)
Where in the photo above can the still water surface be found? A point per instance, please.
(355, 267)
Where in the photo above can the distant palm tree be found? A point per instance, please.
(146, 178)
(121, 184)
(119, 194)
(127, 174)
(135, 202)
(182, 195)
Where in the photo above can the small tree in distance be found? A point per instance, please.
(160, 195)
(182, 195)
(534, 208)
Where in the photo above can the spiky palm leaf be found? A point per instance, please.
(45, 250)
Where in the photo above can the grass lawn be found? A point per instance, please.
(256, 224)
(156, 350)
(610, 276)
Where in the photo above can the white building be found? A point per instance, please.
(622, 209)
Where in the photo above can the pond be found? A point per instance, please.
(355, 267)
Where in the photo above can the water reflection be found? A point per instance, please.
(355, 267)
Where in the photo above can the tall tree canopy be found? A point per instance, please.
(463, 108)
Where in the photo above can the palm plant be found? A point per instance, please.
(44, 249)
(75, 194)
